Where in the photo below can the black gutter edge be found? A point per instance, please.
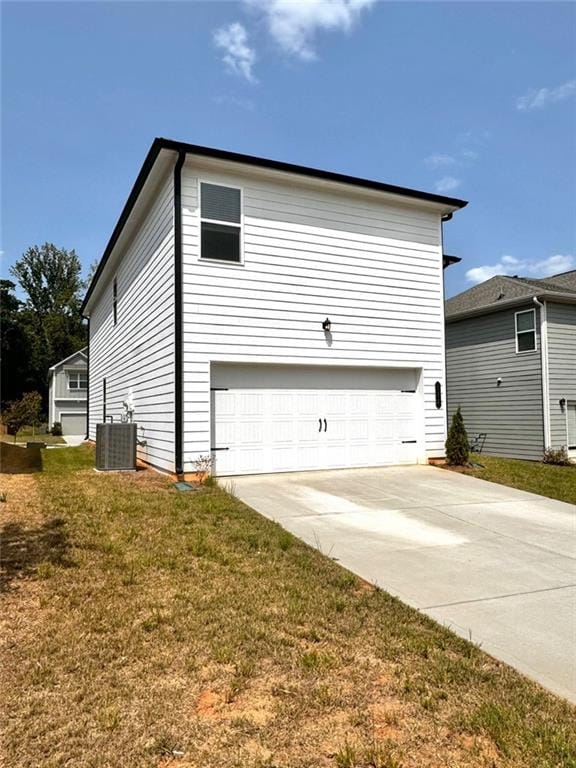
(88, 384)
(448, 261)
(220, 154)
(302, 170)
(147, 165)
(178, 341)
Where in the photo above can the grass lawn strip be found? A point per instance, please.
(555, 482)
(143, 627)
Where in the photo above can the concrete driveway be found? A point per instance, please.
(496, 565)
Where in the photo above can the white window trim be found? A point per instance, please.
(516, 332)
(219, 221)
(571, 451)
(79, 375)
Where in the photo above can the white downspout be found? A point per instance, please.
(545, 378)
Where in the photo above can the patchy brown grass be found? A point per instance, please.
(161, 629)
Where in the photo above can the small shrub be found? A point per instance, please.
(557, 456)
(457, 445)
(57, 429)
(203, 468)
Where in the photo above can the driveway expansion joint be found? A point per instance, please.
(496, 597)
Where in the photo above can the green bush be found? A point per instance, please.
(457, 445)
(556, 456)
(57, 429)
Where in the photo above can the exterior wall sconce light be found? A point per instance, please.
(562, 402)
(326, 325)
(499, 381)
(438, 394)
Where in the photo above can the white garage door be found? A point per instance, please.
(290, 418)
(73, 423)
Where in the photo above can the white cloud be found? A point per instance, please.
(470, 155)
(239, 57)
(234, 101)
(293, 24)
(538, 99)
(510, 265)
(447, 184)
(439, 161)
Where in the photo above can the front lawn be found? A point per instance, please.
(544, 479)
(144, 627)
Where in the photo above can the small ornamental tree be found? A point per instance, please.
(457, 445)
(23, 412)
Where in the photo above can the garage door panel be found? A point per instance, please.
(277, 430)
(73, 423)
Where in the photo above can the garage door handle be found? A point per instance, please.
(325, 425)
(319, 425)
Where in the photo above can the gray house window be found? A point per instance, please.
(526, 331)
(220, 223)
(77, 380)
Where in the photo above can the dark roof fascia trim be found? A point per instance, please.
(147, 166)
(234, 157)
(562, 298)
(302, 170)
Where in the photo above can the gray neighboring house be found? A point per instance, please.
(511, 363)
(67, 391)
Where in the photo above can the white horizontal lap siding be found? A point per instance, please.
(310, 251)
(137, 355)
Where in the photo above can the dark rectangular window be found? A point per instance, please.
(115, 301)
(221, 228)
(77, 380)
(525, 331)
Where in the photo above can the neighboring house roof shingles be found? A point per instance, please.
(503, 289)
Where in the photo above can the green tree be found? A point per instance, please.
(23, 412)
(15, 372)
(51, 279)
(50, 319)
(457, 445)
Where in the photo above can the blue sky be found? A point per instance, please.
(477, 100)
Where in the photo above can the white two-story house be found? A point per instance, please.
(271, 316)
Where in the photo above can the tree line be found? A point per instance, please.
(45, 325)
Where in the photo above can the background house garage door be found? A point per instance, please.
(287, 418)
(73, 423)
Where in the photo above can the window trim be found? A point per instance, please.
(79, 374)
(240, 225)
(571, 449)
(533, 330)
